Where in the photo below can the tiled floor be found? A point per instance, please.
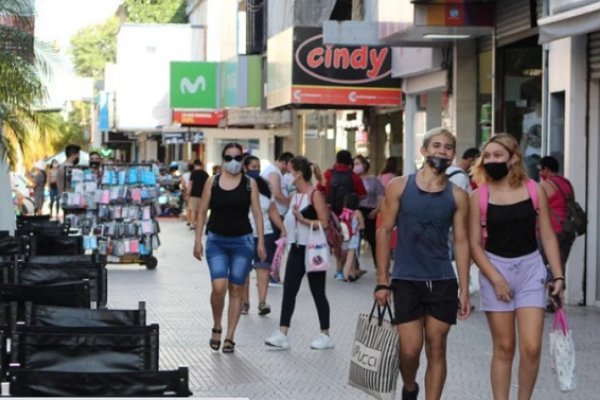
(177, 297)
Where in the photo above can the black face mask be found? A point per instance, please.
(76, 161)
(496, 170)
(439, 164)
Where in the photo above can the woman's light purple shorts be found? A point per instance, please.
(526, 277)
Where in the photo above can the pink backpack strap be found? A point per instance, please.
(484, 194)
(532, 189)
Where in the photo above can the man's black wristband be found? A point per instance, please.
(380, 287)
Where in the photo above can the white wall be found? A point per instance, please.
(144, 52)
(567, 65)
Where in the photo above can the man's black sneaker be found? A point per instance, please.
(406, 395)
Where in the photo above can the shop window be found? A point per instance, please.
(484, 96)
(520, 93)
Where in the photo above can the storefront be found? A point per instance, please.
(317, 79)
(572, 124)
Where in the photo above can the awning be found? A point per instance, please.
(575, 22)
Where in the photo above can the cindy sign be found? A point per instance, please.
(330, 75)
(315, 62)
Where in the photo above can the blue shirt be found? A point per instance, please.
(423, 222)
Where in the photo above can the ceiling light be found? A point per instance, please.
(445, 36)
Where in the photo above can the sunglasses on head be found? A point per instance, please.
(237, 158)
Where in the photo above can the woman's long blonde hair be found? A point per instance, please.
(517, 174)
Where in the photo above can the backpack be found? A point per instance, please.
(576, 220)
(346, 223)
(484, 197)
(341, 184)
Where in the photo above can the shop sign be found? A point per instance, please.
(198, 118)
(337, 65)
(333, 75)
(173, 137)
(182, 137)
(193, 85)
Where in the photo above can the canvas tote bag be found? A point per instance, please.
(374, 365)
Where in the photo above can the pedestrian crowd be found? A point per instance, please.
(424, 230)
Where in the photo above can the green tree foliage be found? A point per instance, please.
(93, 47)
(73, 130)
(23, 63)
(156, 11)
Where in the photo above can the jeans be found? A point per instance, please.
(229, 257)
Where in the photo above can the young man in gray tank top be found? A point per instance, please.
(427, 300)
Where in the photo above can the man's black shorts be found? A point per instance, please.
(415, 299)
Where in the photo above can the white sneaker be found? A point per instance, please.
(322, 342)
(279, 340)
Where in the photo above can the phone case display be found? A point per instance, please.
(80, 199)
(126, 228)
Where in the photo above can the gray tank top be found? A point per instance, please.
(423, 222)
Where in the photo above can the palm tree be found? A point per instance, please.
(22, 65)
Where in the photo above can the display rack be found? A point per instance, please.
(126, 228)
(79, 200)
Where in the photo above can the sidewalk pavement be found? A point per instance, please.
(177, 297)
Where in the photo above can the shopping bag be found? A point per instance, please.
(278, 256)
(473, 277)
(562, 352)
(374, 365)
(317, 255)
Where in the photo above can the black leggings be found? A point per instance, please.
(294, 271)
(370, 231)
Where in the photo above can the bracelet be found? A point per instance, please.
(380, 287)
(559, 278)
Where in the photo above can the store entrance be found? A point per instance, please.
(520, 97)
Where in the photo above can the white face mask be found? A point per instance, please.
(358, 169)
(233, 167)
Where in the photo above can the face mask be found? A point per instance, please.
(496, 170)
(233, 167)
(76, 161)
(439, 164)
(254, 174)
(358, 169)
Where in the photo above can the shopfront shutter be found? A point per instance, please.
(594, 55)
(513, 20)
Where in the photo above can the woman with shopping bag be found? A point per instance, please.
(509, 216)
(305, 222)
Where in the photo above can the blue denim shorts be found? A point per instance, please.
(229, 257)
(270, 247)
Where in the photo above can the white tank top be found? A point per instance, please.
(297, 231)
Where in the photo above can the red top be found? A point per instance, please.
(557, 202)
(357, 183)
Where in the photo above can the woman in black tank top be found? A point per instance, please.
(229, 243)
(502, 236)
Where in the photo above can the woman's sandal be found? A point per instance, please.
(228, 346)
(213, 343)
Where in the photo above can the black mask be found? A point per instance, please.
(496, 170)
(76, 161)
(439, 164)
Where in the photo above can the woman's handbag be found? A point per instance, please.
(317, 254)
(562, 352)
(374, 365)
